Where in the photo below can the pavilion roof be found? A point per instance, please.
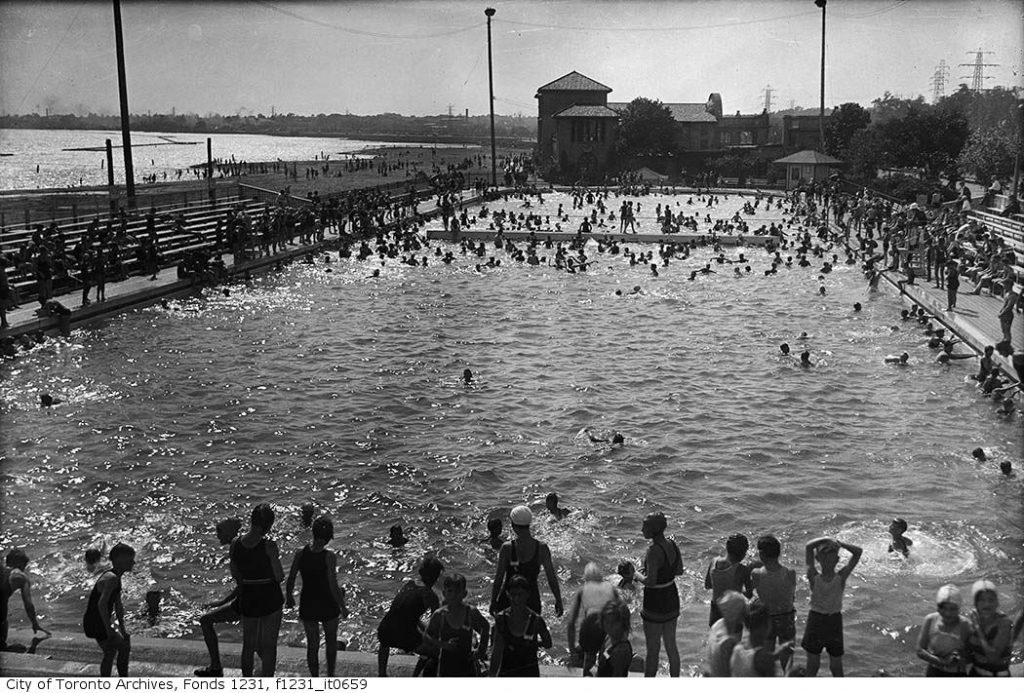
(574, 81)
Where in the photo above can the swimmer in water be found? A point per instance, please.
(979, 454)
(784, 348)
(306, 513)
(1006, 467)
(46, 401)
(617, 438)
(94, 561)
(551, 503)
(856, 307)
(947, 354)
(375, 274)
(397, 537)
(467, 376)
(899, 543)
(804, 335)
(494, 530)
(900, 360)
(627, 575)
(805, 359)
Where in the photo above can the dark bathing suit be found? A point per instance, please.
(259, 594)
(661, 600)
(316, 603)
(520, 655)
(92, 624)
(399, 628)
(528, 569)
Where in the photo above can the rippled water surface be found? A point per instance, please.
(327, 386)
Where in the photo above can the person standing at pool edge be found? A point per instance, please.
(824, 630)
(660, 610)
(256, 567)
(104, 605)
(223, 611)
(12, 580)
(512, 561)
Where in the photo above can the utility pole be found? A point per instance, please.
(939, 81)
(978, 77)
(490, 79)
(122, 89)
(821, 111)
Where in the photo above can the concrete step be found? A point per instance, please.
(73, 654)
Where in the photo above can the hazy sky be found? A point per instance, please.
(418, 57)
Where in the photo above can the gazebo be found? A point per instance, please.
(807, 166)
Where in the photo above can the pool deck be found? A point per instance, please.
(73, 654)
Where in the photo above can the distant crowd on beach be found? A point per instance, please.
(751, 621)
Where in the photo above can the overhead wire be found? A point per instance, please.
(364, 32)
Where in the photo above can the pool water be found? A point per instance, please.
(320, 384)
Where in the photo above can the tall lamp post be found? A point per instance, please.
(122, 88)
(490, 79)
(821, 110)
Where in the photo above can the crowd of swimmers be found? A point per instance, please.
(751, 621)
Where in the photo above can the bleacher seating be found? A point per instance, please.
(200, 228)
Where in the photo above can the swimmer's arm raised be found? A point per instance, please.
(855, 552)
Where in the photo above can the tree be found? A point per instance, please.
(989, 154)
(646, 128)
(842, 125)
(891, 106)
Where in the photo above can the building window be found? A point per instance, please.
(746, 137)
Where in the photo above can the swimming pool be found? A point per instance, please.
(346, 391)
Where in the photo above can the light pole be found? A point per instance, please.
(122, 88)
(490, 79)
(821, 110)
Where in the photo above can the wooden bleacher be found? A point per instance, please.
(200, 227)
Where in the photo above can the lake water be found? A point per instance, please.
(61, 169)
(345, 391)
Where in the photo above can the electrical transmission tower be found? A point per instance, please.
(768, 98)
(939, 81)
(979, 65)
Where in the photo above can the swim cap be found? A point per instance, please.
(982, 586)
(948, 593)
(732, 605)
(521, 515)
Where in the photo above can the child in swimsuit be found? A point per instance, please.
(322, 601)
(899, 543)
(451, 629)
(617, 654)
(728, 573)
(400, 627)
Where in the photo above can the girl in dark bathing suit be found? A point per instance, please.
(256, 567)
(321, 601)
(661, 596)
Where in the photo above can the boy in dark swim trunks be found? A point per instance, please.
(824, 629)
(12, 580)
(104, 606)
(401, 627)
(222, 611)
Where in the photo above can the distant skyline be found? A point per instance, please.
(419, 57)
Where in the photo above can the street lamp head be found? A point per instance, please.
(490, 11)
(820, 3)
